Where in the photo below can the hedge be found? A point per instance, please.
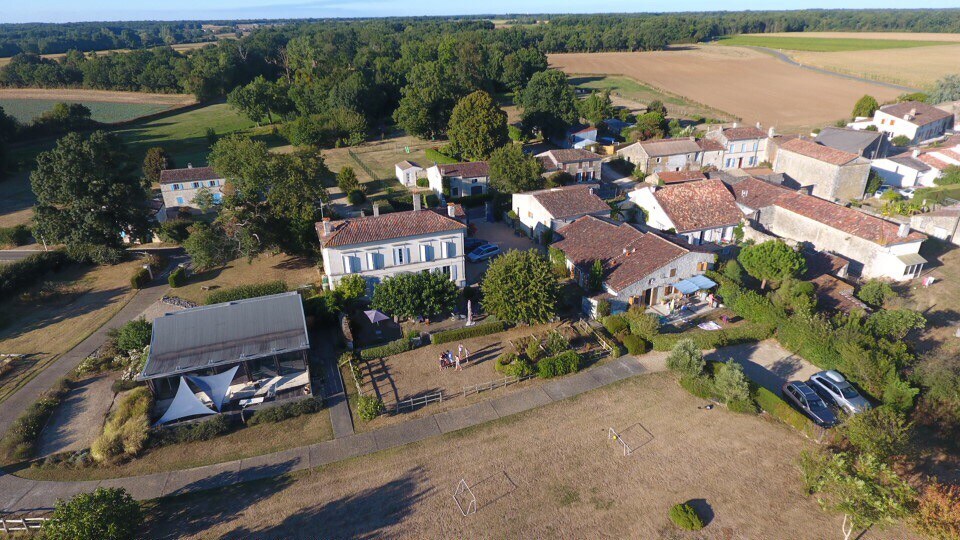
(712, 339)
(20, 442)
(635, 345)
(288, 410)
(780, 409)
(701, 387)
(467, 332)
(615, 324)
(177, 278)
(242, 292)
(140, 278)
(401, 345)
(561, 364)
(17, 235)
(470, 201)
(18, 275)
(220, 424)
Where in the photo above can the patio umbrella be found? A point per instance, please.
(376, 316)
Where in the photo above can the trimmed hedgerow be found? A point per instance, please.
(561, 364)
(781, 410)
(616, 324)
(18, 275)
(21, 441)
(17, 235)
(283, 412)
(220, 424)
(177, 278)
(635, 345)
(706, 339)
(467, 332)
(140, 278)
(242, 292)
(401, 345)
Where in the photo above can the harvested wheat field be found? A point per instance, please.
(918, 68)
(896, 36)
(547, 473)
(749, 84)
(108, 96)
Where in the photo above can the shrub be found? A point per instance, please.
(555, 343)
(645, 325)
(561, 364)
(21, 440)
(242, 292)
(140, 278)
(286, 411)
(635, 344)
(197, 431)
(684, 516)
(17, 235)
(126, 432)
(533, 351)
(174, 231)
(901, 140)
(781, 410)
(513, 365)
(712, 339)
(18, 275)
(603, 308)
(875, 293)
(686, 359)
(882, 431)
(134, 335)
(105, 514)
(177, 278)
(369, 407)
(401, 345)
(467, 332)
(356, 196)
(615, 324)
(423, 182)
(938, 512)
(701, 386)
(731, 383)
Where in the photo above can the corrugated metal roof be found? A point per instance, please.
(208, 336)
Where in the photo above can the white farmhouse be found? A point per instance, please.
(462, 179)
(552, 209)
(381, 246)
(743, 146)
(702, 211)
(179, 187)
(905, 170)
(408, 172)
(914, 120)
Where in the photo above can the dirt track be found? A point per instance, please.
(79, 94)
(749, 84)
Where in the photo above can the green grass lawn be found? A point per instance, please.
(812, 44)
(636, 91)
(25, 110)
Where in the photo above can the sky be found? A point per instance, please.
(13, 11)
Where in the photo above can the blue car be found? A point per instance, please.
(805, 399)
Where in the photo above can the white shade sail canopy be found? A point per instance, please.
(215, 386)
(184, 404)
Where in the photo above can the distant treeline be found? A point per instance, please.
(52, 38)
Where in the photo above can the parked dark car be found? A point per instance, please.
(804, 398)
(471, 244)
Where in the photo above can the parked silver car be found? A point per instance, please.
(833, 388)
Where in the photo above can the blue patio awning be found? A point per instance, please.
(686, 286)
(703, 282)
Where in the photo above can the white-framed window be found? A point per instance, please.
(448, 249)
(426, 252)
(401, 255)
(374, 260)
(196, 185)
(351, 264)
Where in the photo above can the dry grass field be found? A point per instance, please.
(896, 36)
(749, 84)
(918, 68)
(547, 473)
(295, 271)
(55, 315)
(179, 47)
(81, 95)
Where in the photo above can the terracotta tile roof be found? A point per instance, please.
(818, 151)
(570, 155)
(710, 145)
(950, 154)
(589, 238)
(576, 130)
(848, 220)
(922, 113)
(836, 295)
(933, 161)
(694, 206)
(743, 133)
(467, 169)
(569, 201)
(407, 165)
(669, 147)
(190, 174)
(755, 193)
(673, 177)
(389, 226)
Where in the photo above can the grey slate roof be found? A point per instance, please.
(848, 140)
(208, 336)
(908, 160)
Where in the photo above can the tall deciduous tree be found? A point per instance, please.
(87, 193)
(428, 100)
(596, 107)
(156, 160)
(513, 171)
(865, 107)
(519, 66)
(520, 286)
(477, 126)
(260, 100)
(772, 260)
(420, 294)
(549, 104)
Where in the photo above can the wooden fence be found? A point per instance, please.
(414, 403)
(11, 525)
(492, 385)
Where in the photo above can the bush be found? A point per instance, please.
(686, 359)
(177, 278)
(15, 277)
(603, 308)
(205, 430)
(533, 351)
(730, 382)
(882, 431)
(875, 293)
(467, 332)
(174, 231)
(134, 335)
(615, 324)
(561, 364)
(635, 345)
(901, 140)
(286, 411)
(369, 407)
(140, 278)
(356, 196)
(127, 429)
(684, 516)
(701, 386)
(17, 235)
(105, 514)
(514, 365)
(401, 345)
(423, 182)
(644, 325)
(712, 339)
(555, 343)
(242, 292)
(781, 410)
(20, 442)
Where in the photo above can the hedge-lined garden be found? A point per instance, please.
(467, 332)
(242, 292)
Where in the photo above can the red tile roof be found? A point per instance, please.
(669, 147)
(710, 145)
(190, 174)
(674, 177)
(818, 151)
(589, 238)
(922, 113)
(932, 161)
(389, 226)
(755, 193)
(568, 201)
(468, 169)
(570, 155)
(743, 133)
(695, 206)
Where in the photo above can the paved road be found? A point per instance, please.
(10, 255)
(24, 496)
(783, 57)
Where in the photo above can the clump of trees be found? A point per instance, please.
(514, 171)
(477, 127)
(520, 287)
(865, 107)
(105, 514)
(772, 260)
(424, 294)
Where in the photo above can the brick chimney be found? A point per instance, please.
(327, 226)
(376, 209)
(416, 202)
(451, 209)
